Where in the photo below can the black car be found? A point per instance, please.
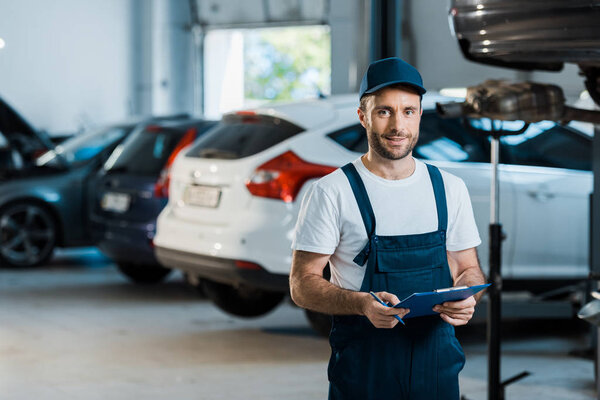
(132, 189)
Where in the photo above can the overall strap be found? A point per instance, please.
(440, 196)
(360, 193)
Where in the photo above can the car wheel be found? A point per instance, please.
(28, 234)
(321, 323)
(243, 301)
(144, 274)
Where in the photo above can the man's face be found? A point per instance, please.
(391, 119)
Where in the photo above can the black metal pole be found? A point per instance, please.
(386, 33)
(594, 240)
(495, 387)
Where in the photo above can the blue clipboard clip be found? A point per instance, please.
(385, 304)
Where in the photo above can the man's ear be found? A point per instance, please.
(362, 117)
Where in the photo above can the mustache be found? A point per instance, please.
(393, 134)
(396, 135)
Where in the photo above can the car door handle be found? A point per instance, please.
(541, 195)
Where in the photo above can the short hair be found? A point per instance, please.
(401, 86)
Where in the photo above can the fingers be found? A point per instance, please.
(468, 302)
(391, 299)
(454, 321)
(388, 297)
(382, 316)
(384, 322)
(457, 312)
(402, 311)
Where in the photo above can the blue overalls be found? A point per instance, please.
(420, 360)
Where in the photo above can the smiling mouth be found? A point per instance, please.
(396, 139)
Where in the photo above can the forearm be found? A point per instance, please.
(471, 276)
(313, 292)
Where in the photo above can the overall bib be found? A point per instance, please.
(419, 361)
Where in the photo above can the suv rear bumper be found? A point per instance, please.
(221, 270)
(125, 241)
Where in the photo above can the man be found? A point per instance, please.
(390, 224)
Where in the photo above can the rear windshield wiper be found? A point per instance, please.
(216, 153)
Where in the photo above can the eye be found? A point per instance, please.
(383, 113)
(410, 112)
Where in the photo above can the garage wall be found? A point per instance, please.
(66, 63)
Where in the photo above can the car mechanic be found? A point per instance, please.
(390, 224)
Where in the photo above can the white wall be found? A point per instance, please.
(66, 62)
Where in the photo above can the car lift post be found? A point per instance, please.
(494, 311)
(595, 238)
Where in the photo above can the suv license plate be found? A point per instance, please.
(203, 196)
(116, 202)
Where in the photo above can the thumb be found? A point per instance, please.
(388, 298)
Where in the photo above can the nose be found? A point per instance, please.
(396, 123)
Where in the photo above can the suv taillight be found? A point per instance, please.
(282, 177)
(161, 188)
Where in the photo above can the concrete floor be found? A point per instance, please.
(77, 330)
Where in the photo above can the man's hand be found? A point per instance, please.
(380, 315)
(457, 312)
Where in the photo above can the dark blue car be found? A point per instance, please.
(43, 207)
(130, 192)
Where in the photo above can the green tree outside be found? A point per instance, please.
(287, 63)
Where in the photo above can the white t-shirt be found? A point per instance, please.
(329, 221)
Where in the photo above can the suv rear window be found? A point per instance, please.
(146, 152)
(242, 135)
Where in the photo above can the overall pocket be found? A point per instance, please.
(404, 271)
(392, 260)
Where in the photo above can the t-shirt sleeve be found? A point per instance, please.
(462, 230)
(317, 229)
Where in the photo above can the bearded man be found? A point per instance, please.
(390, 224)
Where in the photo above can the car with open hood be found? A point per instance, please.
(20, 143)
(45, 206)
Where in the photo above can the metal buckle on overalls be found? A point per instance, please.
(361, 258)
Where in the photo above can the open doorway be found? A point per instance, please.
(248, 67)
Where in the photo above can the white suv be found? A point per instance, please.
(235, 194)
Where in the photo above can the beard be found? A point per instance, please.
(377, 143)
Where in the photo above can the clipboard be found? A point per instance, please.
(421, 304)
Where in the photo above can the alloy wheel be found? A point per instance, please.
(27, 235)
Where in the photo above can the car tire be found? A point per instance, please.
(243, 301)
(28, 235)
(321, 323)
(143, 274)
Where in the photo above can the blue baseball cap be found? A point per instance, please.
(386, 72)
